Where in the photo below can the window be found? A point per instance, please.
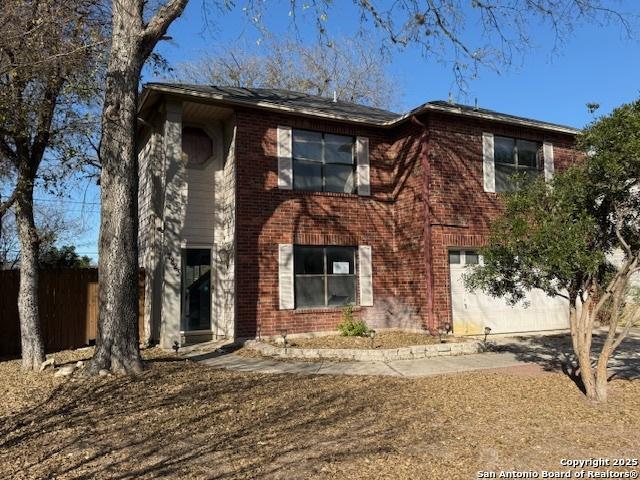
(197, 146)
(196, 289)
(323, 162)
(464, 257)
(513, 156)
(471, 258)
(324, 276)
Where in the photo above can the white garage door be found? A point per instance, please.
(473, 311)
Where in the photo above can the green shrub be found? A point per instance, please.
(349, 327)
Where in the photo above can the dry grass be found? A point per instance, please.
(184, 420)
(381, 340)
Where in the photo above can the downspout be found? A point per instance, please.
(426, 187)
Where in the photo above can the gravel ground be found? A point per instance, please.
(184, 420)
(382, 340)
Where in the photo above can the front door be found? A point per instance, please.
(196, 290)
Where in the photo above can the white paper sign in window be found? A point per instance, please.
(341, 268)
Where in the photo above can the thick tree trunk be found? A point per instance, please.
(133, 40)
(30, 330)
(117, 345)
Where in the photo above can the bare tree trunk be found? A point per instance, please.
(609, 345)
(581, 340)
(30, 330)
(133, 40)
(602, 376)
(117, 343)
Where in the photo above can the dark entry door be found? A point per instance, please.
(196, 289)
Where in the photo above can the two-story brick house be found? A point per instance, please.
(266, 210)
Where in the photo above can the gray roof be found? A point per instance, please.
(286, 98)
(316, 106)
(504, 116)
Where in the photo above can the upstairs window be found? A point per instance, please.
(197, 146)
(513, 156)
(323, 162)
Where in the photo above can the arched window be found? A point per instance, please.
(197, 146)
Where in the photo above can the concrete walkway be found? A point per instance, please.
(519, 354)
(404, 368)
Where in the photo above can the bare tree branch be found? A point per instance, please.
(5, 205)
(159, 24)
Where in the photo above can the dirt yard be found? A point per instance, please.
(381, 340)
(183, 420)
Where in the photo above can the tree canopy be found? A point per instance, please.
(50, 57)
(561, 236)
(63, 257)
(577, 236)
(352, 68)
(463, 35)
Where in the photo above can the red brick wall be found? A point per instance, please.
(461, 209)
(268, 216)
(408, 309)
(391, 220)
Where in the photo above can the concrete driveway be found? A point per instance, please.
(555, 352)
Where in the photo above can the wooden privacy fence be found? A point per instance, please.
(68, 300)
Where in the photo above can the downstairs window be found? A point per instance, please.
(324, 276)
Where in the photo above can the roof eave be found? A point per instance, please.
(494, 117)
(427, 107)
(261, 105)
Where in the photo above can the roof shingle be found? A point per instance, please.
(346, 111)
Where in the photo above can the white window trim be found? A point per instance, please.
(355, 165)
(549, 161)
(356, 275)
(363, 166)
(286, 289)
(365, 275)
(488, 161)
(285, 157)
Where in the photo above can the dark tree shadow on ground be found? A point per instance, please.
(555, 353)
(179, 420)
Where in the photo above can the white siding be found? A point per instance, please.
(150, 200)
(199, 191)
(224, 254)
(144, 193)
(145, 224)
(172, 222)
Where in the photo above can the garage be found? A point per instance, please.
(473, 311)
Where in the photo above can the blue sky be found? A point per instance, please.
(594, 64)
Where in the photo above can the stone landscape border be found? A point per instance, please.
(368, 355)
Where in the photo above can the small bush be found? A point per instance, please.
(349, 327)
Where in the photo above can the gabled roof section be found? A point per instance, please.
(322, 107)
(484, 113)
(288, 100)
